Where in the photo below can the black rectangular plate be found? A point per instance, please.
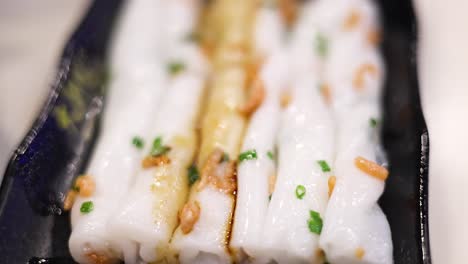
(35, 229)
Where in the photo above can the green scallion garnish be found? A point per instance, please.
(76, 188)
(175, 67)
(158, 148)
(300, 191)
(321, 45)
(248, 155)
(87, 207)
(373, 122)
(193, 37)
(271, 155)
(138, 142)
(225, 157)
(193, 174)
(315, 222)
(324, 165)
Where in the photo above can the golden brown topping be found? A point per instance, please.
(96, 258)
(207, 49)
(256, 97)
(331, 185)
(352, 20)
(238, 47)
(211, 163)
(285, 99)
(218, 173)
(85, 185)
(373, 37)
(359, 253)
(326, 92)
(320, 254)
(189, 216)
(228, 182)
(271, 183)
(371, 168)
(154, 161)
(69, 200)
(289, 10)
(361, 72)
(252, 70)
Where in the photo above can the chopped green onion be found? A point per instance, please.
(324, 165)
(321, 45)
(76, 188)
(193, 174)
(192, 37)
(248, 155)
(269, 197)
(225, 157)
(87, 207)
(373, 122)
(138, 142)
(175, 67)
(300, 191)
(158, 148)
(315, 222)
(271, 155)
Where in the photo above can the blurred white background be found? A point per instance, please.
(32, 34)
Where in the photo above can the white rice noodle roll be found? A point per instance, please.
(253, 175)
(207, 241)
(138, 80)
(306, 136)
(355, 228)
(183, 17)
(343, 17)
(137, 41)
(112, 168)
(222, 128)
(148, 215)
(353, 73)
(268, 32)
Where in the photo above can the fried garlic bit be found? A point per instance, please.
(218, 173)
(189, 216)
(252, 68)
(154, 161)
(85, 185)
(361, 73)
(371, 168)
(69, 200)
(326, 92)
(255, 99)
(352, 20)
(288, 10)
(373, 37)
(271, 183)
(285, 98)
(331, 185)
(320, 254)
(359, 253)
(97, 258)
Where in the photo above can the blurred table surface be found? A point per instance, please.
(32, 36)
